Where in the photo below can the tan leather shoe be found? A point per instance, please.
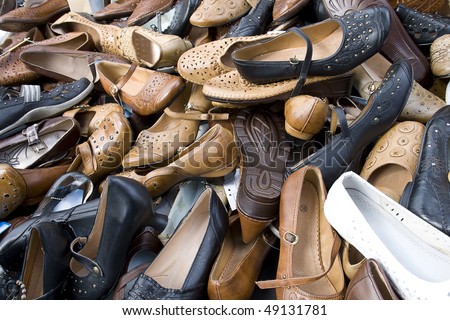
(305, 116)
(135, 44)
(15, 71)
(175, 129)
(116, 10)
(147, 9)
(213, 155)
(421, 104)
(370, 283)
(286, 9)
(105, 149)
(212, 59)
(218, 13)
(238, 264)
(29, 16)
(440, 57)
(309, 266)
(393, 160)
(145, 91)
(90, 118)
(13, 190)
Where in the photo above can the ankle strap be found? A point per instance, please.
(338, 115)
(306, 62)
(293, 282)
(93, 267)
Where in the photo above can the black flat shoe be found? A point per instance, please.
(46, 263)
(381, 111)
(125, 207)
(181, 270)
(336, 46)
(255, 22)
(63, 203)
(423, 28)
(428, 195)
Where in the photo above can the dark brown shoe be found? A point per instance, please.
(116, 10)
(147, 9)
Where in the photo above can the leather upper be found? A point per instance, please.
(117, 9)
(147, 9)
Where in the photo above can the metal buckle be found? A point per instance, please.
(33, 139)
(290, 237)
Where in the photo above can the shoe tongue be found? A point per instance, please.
(30, 93)
(33, 3)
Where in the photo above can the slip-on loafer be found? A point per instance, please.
(412, 252)
(116, 10)
(65, 202)
(423, 28)
(428, 195)
(41, 144)
(398, 45)
(381, 111)
(285, 56)
(27, 17)
(172, 276)
(33, 105)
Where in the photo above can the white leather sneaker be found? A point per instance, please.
(414, 254)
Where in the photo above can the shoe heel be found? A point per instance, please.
(331, 88)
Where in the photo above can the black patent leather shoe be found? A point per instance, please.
(331, 47)
(125, 208)
(255, 22)
(428, 195)
(65, 203)
(46, 263)
(8, 286)
(181, 270)
(423, 28)
(381, 111)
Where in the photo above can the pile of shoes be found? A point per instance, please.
(227, 149)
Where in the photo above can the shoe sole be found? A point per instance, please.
(46, 112)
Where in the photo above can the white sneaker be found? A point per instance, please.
(414, 254)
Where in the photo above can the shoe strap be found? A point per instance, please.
(30, 93)
(306, 62)
(196, 115)
(85, 152)
(92, 266)
(338, 116)
(298, 281)
(115, 88)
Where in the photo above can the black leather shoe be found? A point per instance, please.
(255, 22)
(428, 195)
(382, 110)
(46, 263)
(423, 28)
(8, 287)
(125, 207)
(64, 203)
(175, 276)
(335, 46)
(33, 105)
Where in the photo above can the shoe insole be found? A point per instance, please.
(409, 250)
(34, 268)
(71, 200)
(69, 66)
(307, 258)
(172, 265)
(391, 179)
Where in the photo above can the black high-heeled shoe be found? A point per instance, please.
(125, 207)
(382, 110)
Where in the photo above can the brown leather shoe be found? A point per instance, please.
(398, 45)
(429, 6)
(305, 116)
(370, 283)
(285, 9)
(90, 118)
(105, 149)
(40, 144)
(15, 72)
(264, 152)
(145, 91)
(12, 190)
(116, 10)
(238, 264)
(213, 155)
(309, 266)
(27, 17)
(136, 44)
(147, 9)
